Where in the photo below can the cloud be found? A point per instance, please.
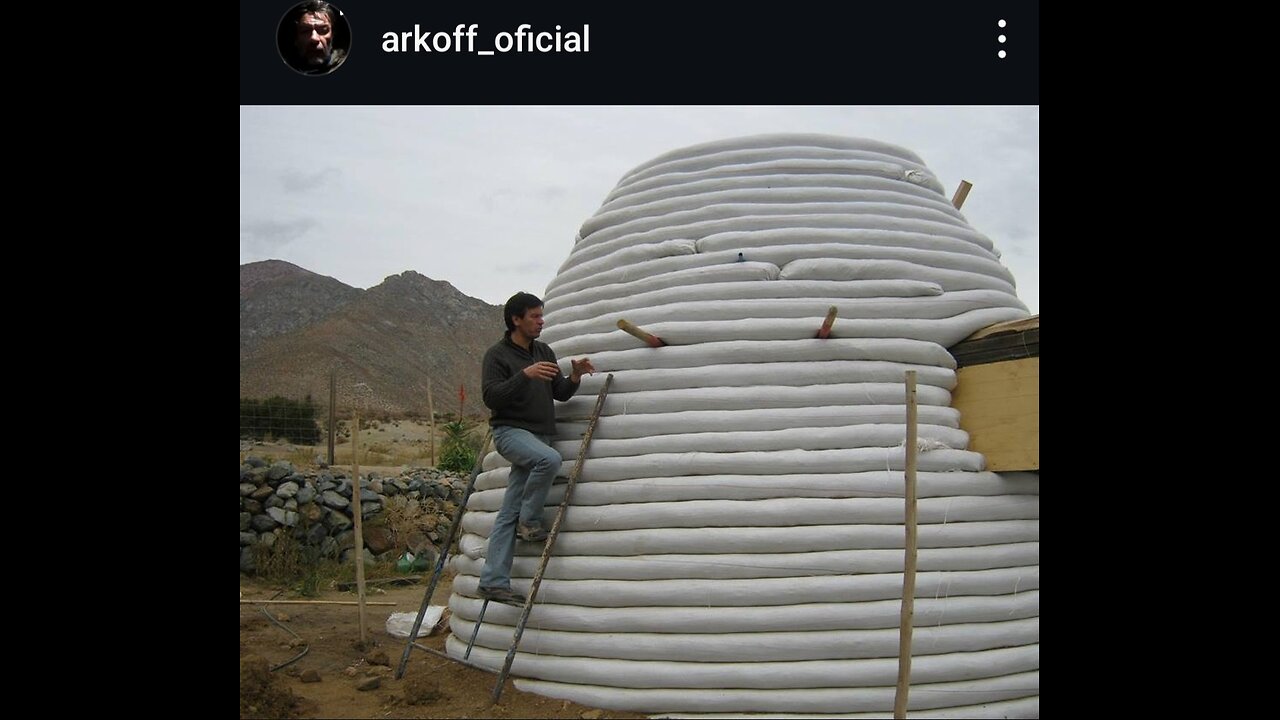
(549, 194)
(528, 267)
(260, 235)
(1018, 249)
(294, 181)
(497, 199)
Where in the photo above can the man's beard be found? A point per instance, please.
(318, 58)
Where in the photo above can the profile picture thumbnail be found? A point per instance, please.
(314, 37)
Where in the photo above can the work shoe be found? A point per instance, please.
(505, 595)
(531, 533)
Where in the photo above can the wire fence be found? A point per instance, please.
(317, 428)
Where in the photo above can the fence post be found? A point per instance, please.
(431, 422)
(333, 414)
(355, 505)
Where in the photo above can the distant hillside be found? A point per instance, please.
(392, 338)
(277, 297)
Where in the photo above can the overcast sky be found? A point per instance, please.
(489, 198)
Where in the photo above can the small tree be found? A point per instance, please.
(459, 452)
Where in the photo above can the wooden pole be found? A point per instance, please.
(431, 411)
(909, 560)
(649, 339)
(962, 192)
(825, 331)
(355, 506)
(310, 602)
(333, 414)
(551, 537)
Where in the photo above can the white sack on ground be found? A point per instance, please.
(735, 542)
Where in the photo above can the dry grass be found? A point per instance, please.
(411, 520)
(382, 444)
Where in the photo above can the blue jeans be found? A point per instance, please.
(534, 464)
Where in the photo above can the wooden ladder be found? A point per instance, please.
(537, 576)
(546, 550)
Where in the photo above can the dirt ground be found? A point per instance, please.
(432, 686)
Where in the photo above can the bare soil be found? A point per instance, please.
(432, 687)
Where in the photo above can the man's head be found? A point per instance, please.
(313, 33)
(523, 312)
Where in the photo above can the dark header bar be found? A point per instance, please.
(397, 52)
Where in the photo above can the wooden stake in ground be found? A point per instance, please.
(431, 422)
(551, 537)
(909, 560)
(355, 507)
(333, 414)
(962, 192)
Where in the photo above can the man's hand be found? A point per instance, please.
(542, 371)
(579, 368)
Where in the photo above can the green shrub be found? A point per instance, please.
(459, 452)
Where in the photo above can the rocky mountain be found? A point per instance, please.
(385, 343)
(277, 298)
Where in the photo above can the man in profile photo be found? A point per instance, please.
(310, 38)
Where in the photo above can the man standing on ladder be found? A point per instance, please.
(520, 379)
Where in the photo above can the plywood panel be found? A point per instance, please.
(999, 406)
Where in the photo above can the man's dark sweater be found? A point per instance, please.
(515, 399)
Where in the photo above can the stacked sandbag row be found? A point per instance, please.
(735, 544)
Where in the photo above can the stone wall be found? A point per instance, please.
(315, 507)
